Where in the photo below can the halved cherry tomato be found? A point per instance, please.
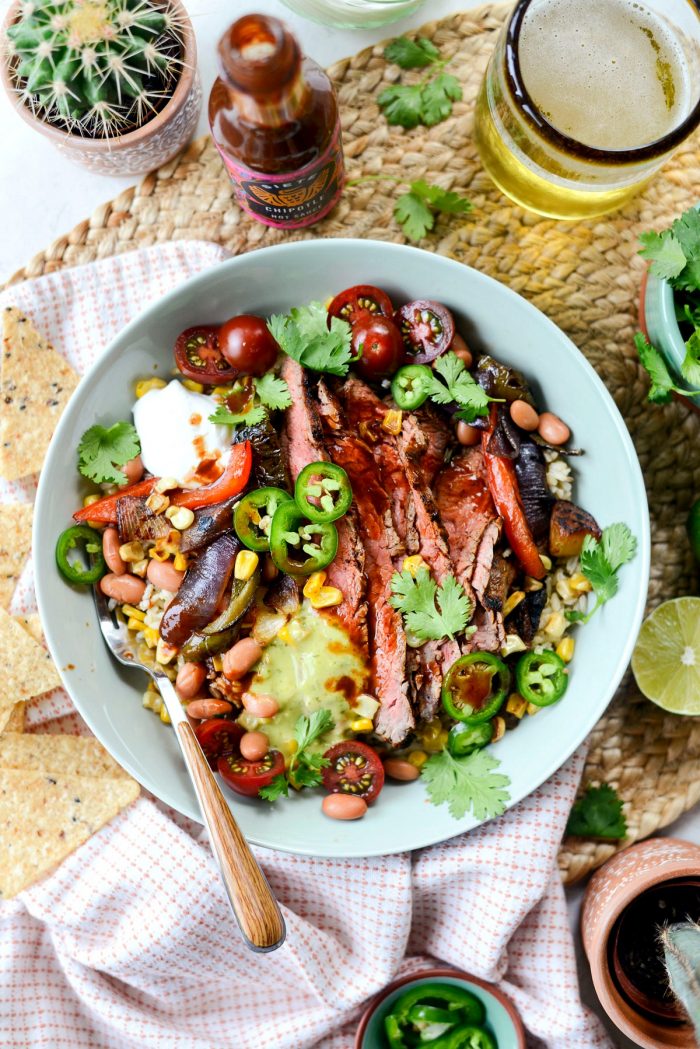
(361, 302)
(247, 777)
(247, 344)
(217, 737)
(354, 769)
(198, 356)
(105, 510)
(232, 481)
(379, 345)
(427, 329)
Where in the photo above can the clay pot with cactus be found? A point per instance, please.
(112, 83)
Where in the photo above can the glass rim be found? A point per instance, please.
(532, 113)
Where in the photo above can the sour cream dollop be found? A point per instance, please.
(175, 432)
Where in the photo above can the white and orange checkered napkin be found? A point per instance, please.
(130, 943)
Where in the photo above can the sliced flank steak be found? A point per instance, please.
(303, 443)
(386, 633)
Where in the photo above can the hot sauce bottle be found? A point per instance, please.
(274, 118)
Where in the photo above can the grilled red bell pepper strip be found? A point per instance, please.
(232, 481)
(503, 485)
(104, 510)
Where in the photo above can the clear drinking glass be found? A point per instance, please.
(583, 100)
(354, 14)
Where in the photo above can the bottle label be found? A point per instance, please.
(295, 199)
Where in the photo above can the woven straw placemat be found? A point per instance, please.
(584, 275)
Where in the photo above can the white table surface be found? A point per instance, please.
(43, 196)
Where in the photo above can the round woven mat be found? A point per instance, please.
(584, 275)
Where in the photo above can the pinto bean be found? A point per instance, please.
(524, 416)
(254, 745)
(241, 658)
(270, 571)
(461, 350)
(110, 551)
(189, 680)
(552, 429)
(260, 706)
(402, 770)
(134, 470)
(467, 435)
(208, 708)
(126, 588)
(344, 807)
(164, 576)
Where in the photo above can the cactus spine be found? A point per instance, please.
(96, 67)
(681, 947)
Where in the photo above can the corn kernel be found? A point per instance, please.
(180, 562)
(366, 706)
(513, 643)
(565, 649)
(246, 563)
(285, 635)
(512, 601)
(181, 516)
(532, 708)
(498, 726)
(546, 561)
(150, 636)
(417, 758)
(89, 500)
(531, 584)
(158, 555)
(392, 422)
(147, 699)
(133, 612)
(165, 653)
(327, 597)
(312, 586)
(165, 484)
(413, 565)
(134, 624)
(164, 716)
(579, 584)
(555, 626)
(516, 705)
(144, 385)
(195, 387)
(222, 391)
(218, 663)
(289, 747)
(157, 704)
(442, 738)
(140, 567)
(131, 552)
(362, 725)
(157, 502)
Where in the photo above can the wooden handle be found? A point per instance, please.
(253, 904)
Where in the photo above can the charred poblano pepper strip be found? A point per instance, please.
(222, 631)
(299, 546)
(323, 492)
(252, 517)
(72, 569)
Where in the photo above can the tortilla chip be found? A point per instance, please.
(44, 817)
(7, 589)
(69, 755)
(32, 624)
(27, 671)
(35, 385)
(15, 722)
(15, 537)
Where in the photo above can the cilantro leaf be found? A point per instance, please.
(690, 368)
(411, 54)
(273, 392)
(308, 729)
(662, 384)
(223, 417)
(459, 386)
(437, 97)
(413, 215)
(619, 545)
(686, 230)
(689, 279)
(598, 814)
(665, 252)
(303, 334)
(600, 562)
(278, 788)
(305, 767)
(430, 612)
(402, 104)
(466, 783)
(597, 569)
(440, 199)
(103, 450)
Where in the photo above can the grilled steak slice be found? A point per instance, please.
(269, 464)
(437, 434)
(500, 581)
(489, 635)
(387, 638)
(302, 443)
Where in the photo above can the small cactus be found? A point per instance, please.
(95, 67)
(681, 947)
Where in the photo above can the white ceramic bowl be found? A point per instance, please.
(609, 484)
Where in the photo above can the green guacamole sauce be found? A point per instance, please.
(318, 667)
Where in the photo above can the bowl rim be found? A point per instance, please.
(103, 363)
(457, 974)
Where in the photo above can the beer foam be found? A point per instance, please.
(607, 73)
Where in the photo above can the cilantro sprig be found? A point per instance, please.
(415, 210)
(598, 814)
(223, 417)
(458, 385)
(269, 390)
(430, 612)
(427, 102)
(102, 450)
(674, 254)
(304, 335)
(662, 382)
(467, 783)
(305, 766)
(601, 561)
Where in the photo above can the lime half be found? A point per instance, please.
(666, 659)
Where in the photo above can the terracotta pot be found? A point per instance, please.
(137, 151)
(500, 1011)
(620, 881)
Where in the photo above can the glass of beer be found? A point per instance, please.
(583, 100)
